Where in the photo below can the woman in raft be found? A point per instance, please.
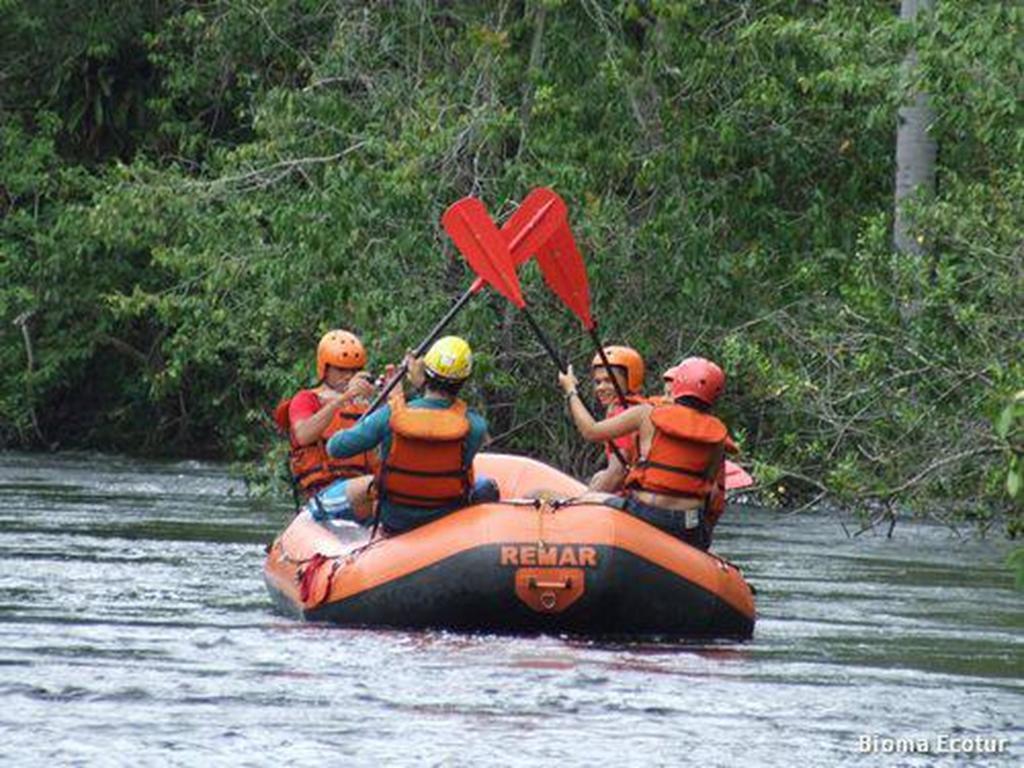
(682, 451)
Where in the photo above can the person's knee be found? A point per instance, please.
(485, 490)
(358, 490)
(332, 503)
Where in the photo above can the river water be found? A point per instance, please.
(135, 630)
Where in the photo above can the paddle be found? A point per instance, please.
(565, 273)
(537, 219)
(489, 252)
(541, 215)
(563, 270)
(736, 477)
(467, 223)
(540, 201)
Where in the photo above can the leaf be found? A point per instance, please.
(1013, 482)
(1005, 421)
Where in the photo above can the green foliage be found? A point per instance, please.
(1015, 562)
(195, 191)
(1009, 428)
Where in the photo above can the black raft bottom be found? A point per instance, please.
(624, 595)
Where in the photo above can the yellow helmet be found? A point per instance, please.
(450, 359)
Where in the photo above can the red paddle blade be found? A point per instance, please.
(736, 477)
(565, 273)
(538, 218)
(476, 237)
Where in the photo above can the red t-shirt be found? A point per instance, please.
(303, 405)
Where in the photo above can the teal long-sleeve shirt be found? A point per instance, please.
(375, 432)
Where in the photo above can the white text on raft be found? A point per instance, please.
(532, 554)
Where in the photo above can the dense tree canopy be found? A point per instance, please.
(192, 192)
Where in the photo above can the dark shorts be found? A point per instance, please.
(671, 521)
(393, 522)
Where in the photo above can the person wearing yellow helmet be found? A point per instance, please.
(311, 416)
(426, 449)
(626, 366)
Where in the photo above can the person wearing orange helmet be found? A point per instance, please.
(311, 416)
(626, 369)
(681, 450)
(426, 449)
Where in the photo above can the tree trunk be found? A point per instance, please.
(536, 62)
(915, 149)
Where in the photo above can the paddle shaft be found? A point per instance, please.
(557, 358)
(423, 345)
(418, 352)
(477, 285)
(544, 341)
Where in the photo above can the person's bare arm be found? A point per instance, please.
(592, 431)
(311, 430)
(609, 479)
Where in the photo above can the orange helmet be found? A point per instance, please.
(627, 358)
(700, 378)
(340, 349)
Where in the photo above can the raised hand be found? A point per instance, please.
(360, 387)
(567, 381)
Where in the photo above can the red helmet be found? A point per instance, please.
(340, 349)
(627, 358)
(700, 378)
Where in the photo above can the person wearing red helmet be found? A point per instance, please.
(681, 450)
(626, 366)
(311, 416)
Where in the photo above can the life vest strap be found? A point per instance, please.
(427, 502)
(424, 473)
(701, 475)
(666, 492)
(346, 471)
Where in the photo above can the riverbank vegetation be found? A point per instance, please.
(192, 192)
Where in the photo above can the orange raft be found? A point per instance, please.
(525, 564)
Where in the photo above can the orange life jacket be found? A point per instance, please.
(311, 467)
(424, 467)
(685, 457)
(731, 447)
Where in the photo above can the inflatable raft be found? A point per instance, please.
(536, 561)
